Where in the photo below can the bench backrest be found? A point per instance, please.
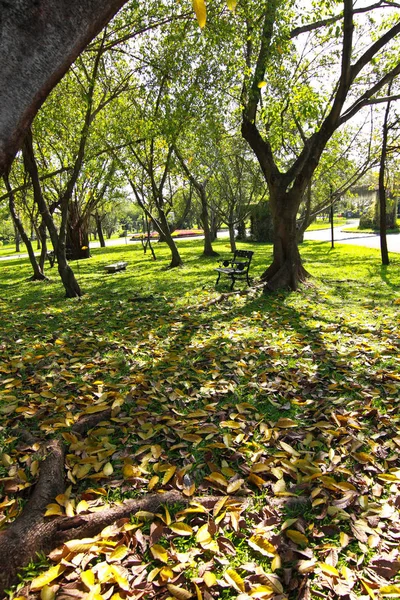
(242, 259)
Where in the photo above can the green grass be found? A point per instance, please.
(375, 231)
(325, 224)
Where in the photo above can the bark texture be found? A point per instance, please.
(39, 40)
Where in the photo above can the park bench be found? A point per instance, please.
(236, 267)
(51, 256)
(113, 268)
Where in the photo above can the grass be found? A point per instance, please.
(253, 385)
(326, 224)
(375, 231)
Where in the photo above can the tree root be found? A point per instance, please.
(33, 533)
(224, 296)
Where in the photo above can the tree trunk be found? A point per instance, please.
(382, 187)
(39, 41)
(71, 286)
(99, 229)
(232, 237)
(176, 260)
(37, 270)
(286, 270)
(208, 249)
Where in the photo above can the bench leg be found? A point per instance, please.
(233, 283)
(219, 275)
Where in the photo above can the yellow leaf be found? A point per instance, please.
(234, 486)
(96, 408)
(328, 569)
(216, 477)
(231, 4)
(297, 537)
(178, 592)
(47, 593)
(284, 423)
(82, 506)
(234, 579)
(201, 12)
(209, 579)
(153, 482)
(390, 590)
(45, 578)
(259, 543)
(129, 471)
(166, 573)
(169, 473)
(159, 553)
(181, 529)
(367, 589)
(218, 505)
(87, 578)
(258, 481)
(108, 469)
(262, 84)
(203, 535)
(53, 509)
(118, 554)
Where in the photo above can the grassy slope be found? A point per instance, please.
(291, 399)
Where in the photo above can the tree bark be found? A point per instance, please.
(286, 270)
(39, 40)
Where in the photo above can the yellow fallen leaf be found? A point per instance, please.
(233, 578)
(234, 486)
(118, 554)
(169, 473)
(328, 569)
(87, 578)
(297, 537)
(53, 509)
(181, 529)
(82, 506)
(209, 579)
(47, 593)
(203, 535)
(390, 590)
(108, 469)
(159, 553)
(260, 544)
(216, 477)
(178, 592)
(45, 578)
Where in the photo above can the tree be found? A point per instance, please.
(69, 25)
(309, 125)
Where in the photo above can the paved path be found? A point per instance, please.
(368, 240)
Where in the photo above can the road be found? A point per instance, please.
(368, 240)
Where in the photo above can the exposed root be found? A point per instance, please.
(224, 296)
(32, 532)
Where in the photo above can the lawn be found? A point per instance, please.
(325, 224)
(282, 410)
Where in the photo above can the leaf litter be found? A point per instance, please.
(288, 415)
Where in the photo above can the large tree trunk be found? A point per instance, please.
(286, 270)
(77, 233)
(39, 40)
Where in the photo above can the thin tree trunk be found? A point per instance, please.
(37, 270)
(205, 219)
(382, 186)
(71, 286)
(232, 237)
(99, 229)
